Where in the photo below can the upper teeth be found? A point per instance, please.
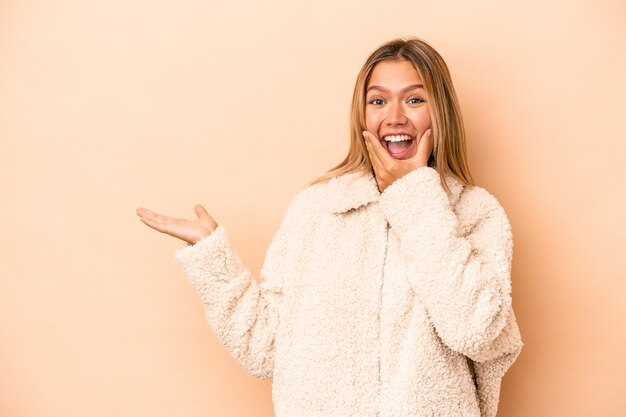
(397, 138)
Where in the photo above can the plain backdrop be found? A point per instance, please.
(108, 106)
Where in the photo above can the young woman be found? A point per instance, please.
(386, 290)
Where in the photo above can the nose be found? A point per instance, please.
(396, 115)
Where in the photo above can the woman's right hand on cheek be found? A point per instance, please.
(191, 231)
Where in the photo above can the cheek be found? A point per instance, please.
(421, 119)
(372, 121)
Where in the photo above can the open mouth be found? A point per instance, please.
(399, 146)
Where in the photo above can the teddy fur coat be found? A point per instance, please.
(389, 304)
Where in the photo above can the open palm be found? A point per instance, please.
(191, 231)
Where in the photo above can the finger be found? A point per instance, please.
(425, 147)
(143, 212)
(161, 227)
(204, 215)
(159, 222)
(164, 219)
(373, 157)
(378, 149)
(201, 212)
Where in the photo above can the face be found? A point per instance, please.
(396, 107)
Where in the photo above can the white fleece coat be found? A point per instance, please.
(371, 304)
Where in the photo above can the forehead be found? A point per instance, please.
(390, 74)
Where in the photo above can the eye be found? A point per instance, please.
(416, 100)
(377, 101)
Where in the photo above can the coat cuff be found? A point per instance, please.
(417, 195)
(211, 258)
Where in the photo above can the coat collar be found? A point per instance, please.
(356, 189)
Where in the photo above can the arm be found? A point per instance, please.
(242, 313)
(463, 281)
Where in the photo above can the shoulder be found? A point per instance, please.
(308, 198)
(477, 200)
(477, 208)
(303, 206)
(338, 194)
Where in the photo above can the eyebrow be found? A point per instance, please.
(384, 90)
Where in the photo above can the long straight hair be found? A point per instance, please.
(449, 156)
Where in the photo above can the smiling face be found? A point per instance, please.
(396, 107)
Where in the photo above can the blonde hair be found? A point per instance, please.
(449, 153)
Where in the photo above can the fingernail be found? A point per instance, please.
(365, 135)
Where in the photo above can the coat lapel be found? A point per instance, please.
(350, 191)
(356, 189)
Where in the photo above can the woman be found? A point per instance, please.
(386, 290)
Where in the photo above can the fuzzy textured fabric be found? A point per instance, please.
(390, 304)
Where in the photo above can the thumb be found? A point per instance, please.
(205, 218)
(202, 213)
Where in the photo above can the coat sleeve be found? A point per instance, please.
(243, 313)
(462, 277)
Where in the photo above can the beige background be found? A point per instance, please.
(107, 106)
